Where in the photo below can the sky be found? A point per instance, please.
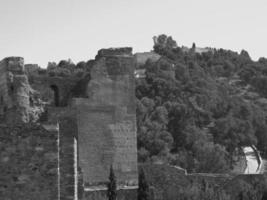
(53, 30)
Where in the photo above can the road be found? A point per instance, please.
(254, 165)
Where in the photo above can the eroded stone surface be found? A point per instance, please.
(96, 110)
(106, 121)
(19, 103)
(28, 162)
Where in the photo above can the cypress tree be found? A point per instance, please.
(143, 189)
(112, 185)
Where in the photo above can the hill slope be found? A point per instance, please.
(198, 110)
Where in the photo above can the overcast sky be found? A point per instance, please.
(52, 30)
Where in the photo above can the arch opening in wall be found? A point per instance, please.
(56, 95)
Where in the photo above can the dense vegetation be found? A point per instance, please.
(197, 110)
(67, 68)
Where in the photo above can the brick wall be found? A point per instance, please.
(67, 130)
(107, 121)
(28, 163)
(15, 93)
(65, 85)
(122, 194)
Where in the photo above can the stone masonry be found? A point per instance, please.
(95, 127)
(106, 122)
(104, 126)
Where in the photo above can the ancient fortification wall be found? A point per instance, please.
(11, 71)
(18, 104)
(106, 121)
(96, 127)
(4, 97)
(122, 194)
(104, 127)
(28, 162)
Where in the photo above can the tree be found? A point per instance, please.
(164, 45)
(112, 185)
(194, 46)
(143, 189)
(195, 110)
(211, 158)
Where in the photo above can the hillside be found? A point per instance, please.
(196, 109)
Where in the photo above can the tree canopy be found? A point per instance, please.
(195, 110)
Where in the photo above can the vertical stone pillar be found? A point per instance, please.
(68, 132)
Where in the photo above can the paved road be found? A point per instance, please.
(253, 166)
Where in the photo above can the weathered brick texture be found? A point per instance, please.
(28, 163)
(67, 129)
(106, 120)
(122, 194)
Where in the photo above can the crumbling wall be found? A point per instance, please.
(19, 102)
(101, 122)
(9, 67)
(4, 97)
(28, 163)
(68, 137)
(65, 85)
(32, 69)
(106, 120)
(130, 194)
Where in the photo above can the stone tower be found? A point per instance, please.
(103, 127)
(14, 91)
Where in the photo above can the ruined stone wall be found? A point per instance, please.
(106, 121)
(18, 101)
(32, 69)
(102, 125)
(3, 88)
(14, 93)
(67, 129)
(122, 194)
(9, 68)
(65, 85)
(28, 163)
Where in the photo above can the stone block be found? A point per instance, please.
(15, 64)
